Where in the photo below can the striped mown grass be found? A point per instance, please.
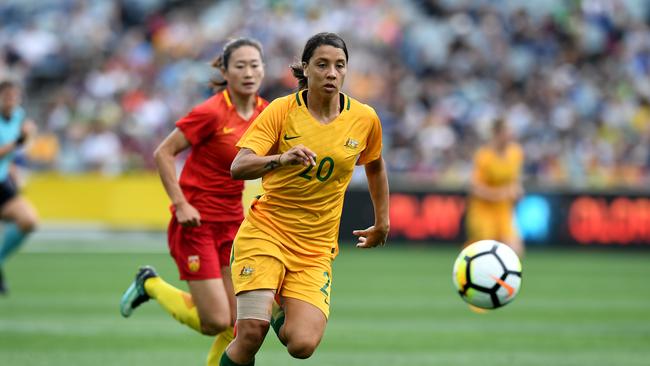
(394, 306)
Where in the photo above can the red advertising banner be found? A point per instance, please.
(543, 218)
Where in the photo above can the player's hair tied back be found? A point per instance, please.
(221, 62)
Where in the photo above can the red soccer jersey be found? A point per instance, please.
(213, 128)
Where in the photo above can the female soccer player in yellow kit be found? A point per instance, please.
(304, 146)
(495, 188)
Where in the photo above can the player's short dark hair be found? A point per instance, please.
(221, 61)
(317, 40)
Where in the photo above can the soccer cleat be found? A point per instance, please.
(3, 286)
(135, 295)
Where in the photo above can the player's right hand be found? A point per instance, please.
(29, 128)
(187, 215)
(27, 131)
(514, 192)
(297, 155)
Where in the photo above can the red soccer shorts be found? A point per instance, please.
(201, 251)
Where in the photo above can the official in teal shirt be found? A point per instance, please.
(18, 215)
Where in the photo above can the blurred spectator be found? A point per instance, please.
(101, 149)
(571, 78)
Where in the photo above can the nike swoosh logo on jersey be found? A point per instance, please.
(286, 137)
(227, 130)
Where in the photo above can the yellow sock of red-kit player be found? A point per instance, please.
(477, 310)
(177, 303)
(221, 341)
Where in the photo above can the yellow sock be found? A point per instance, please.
(477, 310)
(176, 302)
(221, 341)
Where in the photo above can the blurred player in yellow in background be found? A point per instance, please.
(305, 146)
(495, 188)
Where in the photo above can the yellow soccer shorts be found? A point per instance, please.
(486, 221)
(258, 261)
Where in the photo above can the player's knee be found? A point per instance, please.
(251, 334)
(215, 325)
(302, 348)
(27, 225)
(212, 328)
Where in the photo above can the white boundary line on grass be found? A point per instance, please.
(95, 241)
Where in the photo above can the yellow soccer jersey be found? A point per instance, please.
(497, 170)
(301, 206)
(488, 219)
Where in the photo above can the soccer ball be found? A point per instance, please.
(487, 274)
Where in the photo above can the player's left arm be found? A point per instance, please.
(378, 187)
(27, 131)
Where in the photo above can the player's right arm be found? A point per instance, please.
(258, 152)
(506, 192)
(488, 193)
(165, 158)
(511, 191)
(248, 165)
(478, 187)
(191, 130)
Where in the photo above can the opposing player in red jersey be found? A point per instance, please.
(206, 203)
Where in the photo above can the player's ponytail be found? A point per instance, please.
(299, 73)
(221, 61)
(317, 40)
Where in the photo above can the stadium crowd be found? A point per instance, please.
(106, 81)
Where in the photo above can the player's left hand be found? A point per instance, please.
(371, 237)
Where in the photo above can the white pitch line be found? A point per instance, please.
(95, 241)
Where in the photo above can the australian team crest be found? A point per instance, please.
(246, 271)
(351, 143)
(193, 263)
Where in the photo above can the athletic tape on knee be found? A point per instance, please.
(255, 305)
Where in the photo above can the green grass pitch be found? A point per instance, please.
(392, 306)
